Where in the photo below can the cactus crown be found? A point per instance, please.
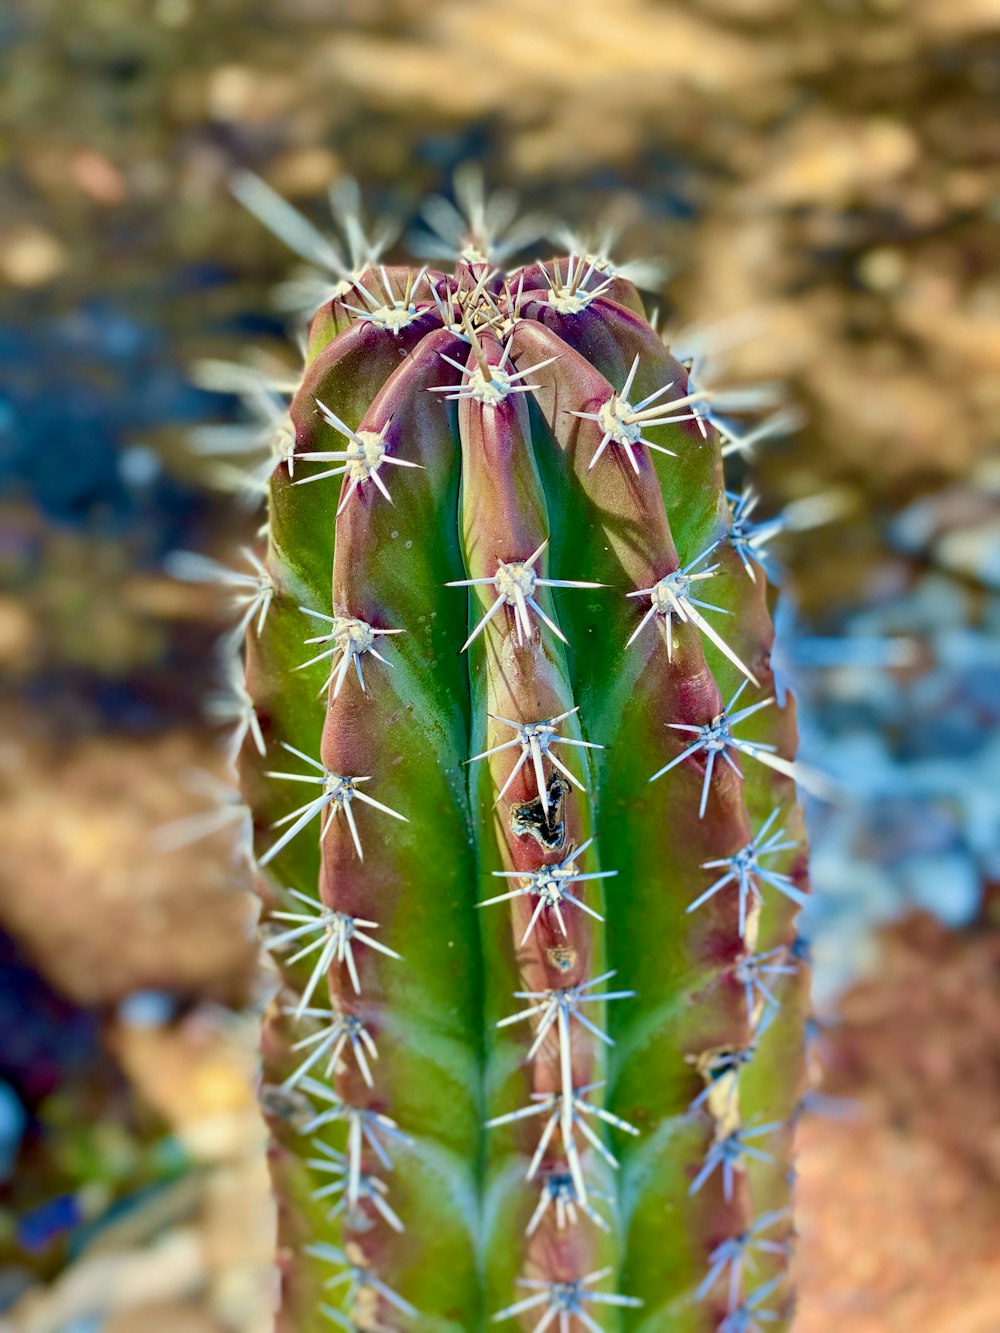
(538, 1045)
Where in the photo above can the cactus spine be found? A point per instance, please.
(526, 824)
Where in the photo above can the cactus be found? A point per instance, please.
(525, 825)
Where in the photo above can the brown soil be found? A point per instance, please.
(898, 1205)
(84, 889)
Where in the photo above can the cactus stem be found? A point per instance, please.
(670, 597)
(351, 638)
(514, 583)
(337, 933)
(562, 1300)
(734, 1254)
(743, 868)
(729, 1152)
(559, 1192)
(338, 793)
(345, 1030)
(535, 740)
(550, 885)
(515, 462)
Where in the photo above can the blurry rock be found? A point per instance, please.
(582, 63)
(882, 269)
(81, 602)
(30, 256)
(958, 18)
(873, 396)
(98, 177)
(104, 1284)
(242, 93)
(947, 884)
(199, 1075)
(974, 552)
(830, 160)
(20, 638)
(751, 11)
(965, 327)
(174, 1317)
(100, 912)
(305, 171)
(240, 1236)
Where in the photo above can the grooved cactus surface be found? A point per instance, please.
(526, 825)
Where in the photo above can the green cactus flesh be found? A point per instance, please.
(538, 1046)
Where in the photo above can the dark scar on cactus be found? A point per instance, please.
(291, 1107)
(561, 958)
(529, 817)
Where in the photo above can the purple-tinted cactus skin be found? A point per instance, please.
(530, 865)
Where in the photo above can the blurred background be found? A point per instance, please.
(833, 167)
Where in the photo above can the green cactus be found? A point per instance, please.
(526, 826)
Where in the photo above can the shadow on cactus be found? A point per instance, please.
(526, 821)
